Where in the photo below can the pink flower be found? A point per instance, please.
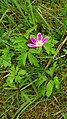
(39, 42)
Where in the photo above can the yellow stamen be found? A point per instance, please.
(39, 43)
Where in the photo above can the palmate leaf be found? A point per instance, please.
(9, 83)
(15, 76)
(33, 60)
(18, 39)
(19, 43)
(22, 59)
(5, 59)
(49, 48)
(36, 51)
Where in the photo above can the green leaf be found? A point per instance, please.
(18, 79)
(6, 50)
(36, 51)
(21, 47)
(6, 63)
(57, 83)
(9, 80)
(33, 51)
(33, 60)
(22, 59)
(25, 96)
(65, 50)
(17, 68)
(21, 11)
(26, 35)
(19, 43)
(5, 60)
(64, 115)
(49, 46)
(52, 69)
(22, 72)
(41, 90)
(41, 80)
(18, 39)
(49, 88)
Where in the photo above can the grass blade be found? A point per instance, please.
(3, 15)
(32, 14)
(48, 26)
(18, 7)
(23, 107)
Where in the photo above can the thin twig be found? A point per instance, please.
(58, 49)
(60, 57)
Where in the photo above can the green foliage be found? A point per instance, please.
(18, 7)
(26, 35)
(49, 88)
(65, 51)
(36, 51)
(42, 79)
(19, 43)
(49, 46)
(51, 69)
(22, 59)
(41, 90)
(5, 59)
(33, 60)
(15, 76)
(57, 82)
(24, 79)
(64, 115)
(41, 84)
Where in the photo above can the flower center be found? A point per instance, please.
(38, 43)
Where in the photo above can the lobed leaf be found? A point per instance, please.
(33, 60)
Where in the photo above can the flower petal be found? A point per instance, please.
(31, 45)
(39, 36)
(33, 40)
(44, 40)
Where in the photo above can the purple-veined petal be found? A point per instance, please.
(33, 40)
(39, 36)
(44, 40)
(31, 45)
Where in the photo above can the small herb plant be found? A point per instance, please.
(32, 53)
